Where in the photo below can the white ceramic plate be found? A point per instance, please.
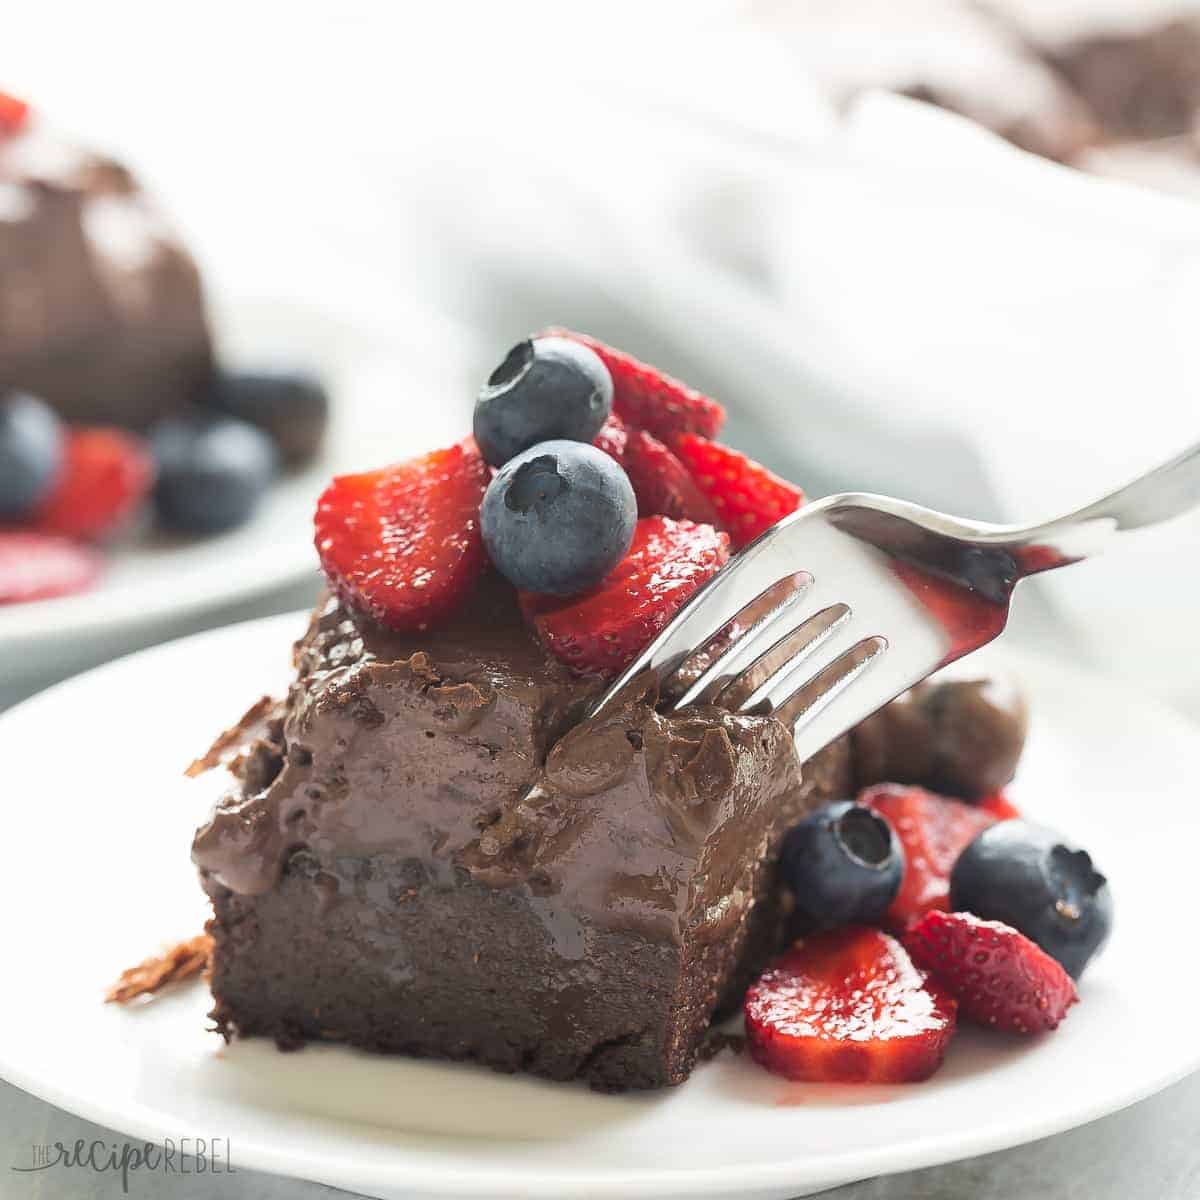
(395, 392)
(97, 825)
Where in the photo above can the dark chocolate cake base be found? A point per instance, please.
(460, 972)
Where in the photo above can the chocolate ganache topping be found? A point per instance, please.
(427, 749)
(466, 749)
(408, 744)
(688, 802)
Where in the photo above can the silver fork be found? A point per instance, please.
(855, 598)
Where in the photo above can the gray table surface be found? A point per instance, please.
(1151, 1150)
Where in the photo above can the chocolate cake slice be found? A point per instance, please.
(435, 846)
(1110, 88)
(101, 309)
(380, 877)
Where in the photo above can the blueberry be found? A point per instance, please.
(31, 447)
(291, 406)
(843, 864)
(1026, 876)
(212, 472)
(558, 518)
(547, 388)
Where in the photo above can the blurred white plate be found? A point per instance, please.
(394, 394)
(98, 876)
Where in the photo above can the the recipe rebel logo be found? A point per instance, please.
(185, 1156)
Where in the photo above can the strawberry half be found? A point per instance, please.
(13, 113)
(646, 398)
(612, 438)
(1000, 807)
(1000, 977)
(747, 497)
(602, 630)
(402, 544)
(934, 830)
(37, 566)
(662, 483)
(848, 1006)
(105, 476)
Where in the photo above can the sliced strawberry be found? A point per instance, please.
(602, 630)
(1000, 807)
(402, 544)
(933, 830)
(612, 438)
(105, 476)
(662, 483)
(36, 566)
(646, 398)
(1000, 977)
(13, 113)
(848, 1006)
(747, 497)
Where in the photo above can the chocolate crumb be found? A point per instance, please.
(715, 1041)
(185, 960)
(250, 725)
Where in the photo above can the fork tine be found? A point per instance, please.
(795, 703)
(909, 577)
(798, 644)
(713, 607)
(738, 642)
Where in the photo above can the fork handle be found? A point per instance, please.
(1168, 491)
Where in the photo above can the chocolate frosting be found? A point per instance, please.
(101, 309)
(400, 743)
(464, 749)
(646, 822)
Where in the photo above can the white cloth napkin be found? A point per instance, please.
(1044, 317)
(895, 300)
(905, 303)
